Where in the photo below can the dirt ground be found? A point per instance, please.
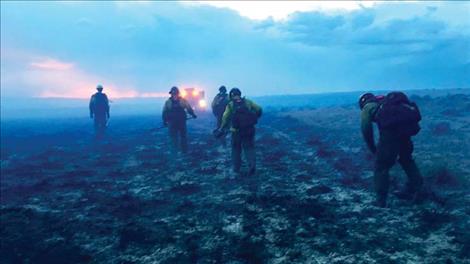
(66, 198)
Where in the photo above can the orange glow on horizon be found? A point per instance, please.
(111, 93)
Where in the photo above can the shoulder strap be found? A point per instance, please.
(239, 105)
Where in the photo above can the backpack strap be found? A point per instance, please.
(239, 105)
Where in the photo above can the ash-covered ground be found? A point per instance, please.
(67, 198)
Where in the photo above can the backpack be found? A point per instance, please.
(100, 102)
(396, 113)
(176, 111)
(220, 104)
(243, 118)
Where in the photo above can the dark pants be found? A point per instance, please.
(222, 139)
(389, 149)
(219, 119)
(178, 137)
(100, 121)
(245, 143)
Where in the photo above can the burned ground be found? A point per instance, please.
(66, 198)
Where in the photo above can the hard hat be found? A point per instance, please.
(234, 92)
(174, 89)
(222, 89)
(99, 87)
(366, 98)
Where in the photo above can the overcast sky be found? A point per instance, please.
(64, 49)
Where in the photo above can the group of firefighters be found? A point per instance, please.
(232, 111)
(397, 119)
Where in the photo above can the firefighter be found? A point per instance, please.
(174, 116)
(219, 103)
(218, 108)
(397, 119)
(99, 110)
(242, 115)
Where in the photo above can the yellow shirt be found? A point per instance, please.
(367, 120)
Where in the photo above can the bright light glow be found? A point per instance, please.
(279, 10)
(183, 93)
(195, 93)
(202, 103)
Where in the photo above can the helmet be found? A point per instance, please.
(366, 98)
(174, 89)
(222, 89)
(234, 92)
(99, 87)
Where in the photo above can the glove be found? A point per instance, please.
(194, 116)
(218, 132)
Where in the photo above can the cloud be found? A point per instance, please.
(397, 52)
(51, 64)
(61, 79)
(50, 77)
(361, 28)
(139, 49)
(280, 10)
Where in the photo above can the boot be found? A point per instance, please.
(405, 194)
(381, 202)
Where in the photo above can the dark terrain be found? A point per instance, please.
(67, 198)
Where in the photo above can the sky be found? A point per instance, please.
(141, 49)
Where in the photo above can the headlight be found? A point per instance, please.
(202, 103)
(183, 93)
(195, 93)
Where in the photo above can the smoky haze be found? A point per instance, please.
(41, 108)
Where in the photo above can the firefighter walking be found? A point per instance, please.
(99, 111)
(218, 108)
(174, 116)
(397, 119)
(242, 115)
